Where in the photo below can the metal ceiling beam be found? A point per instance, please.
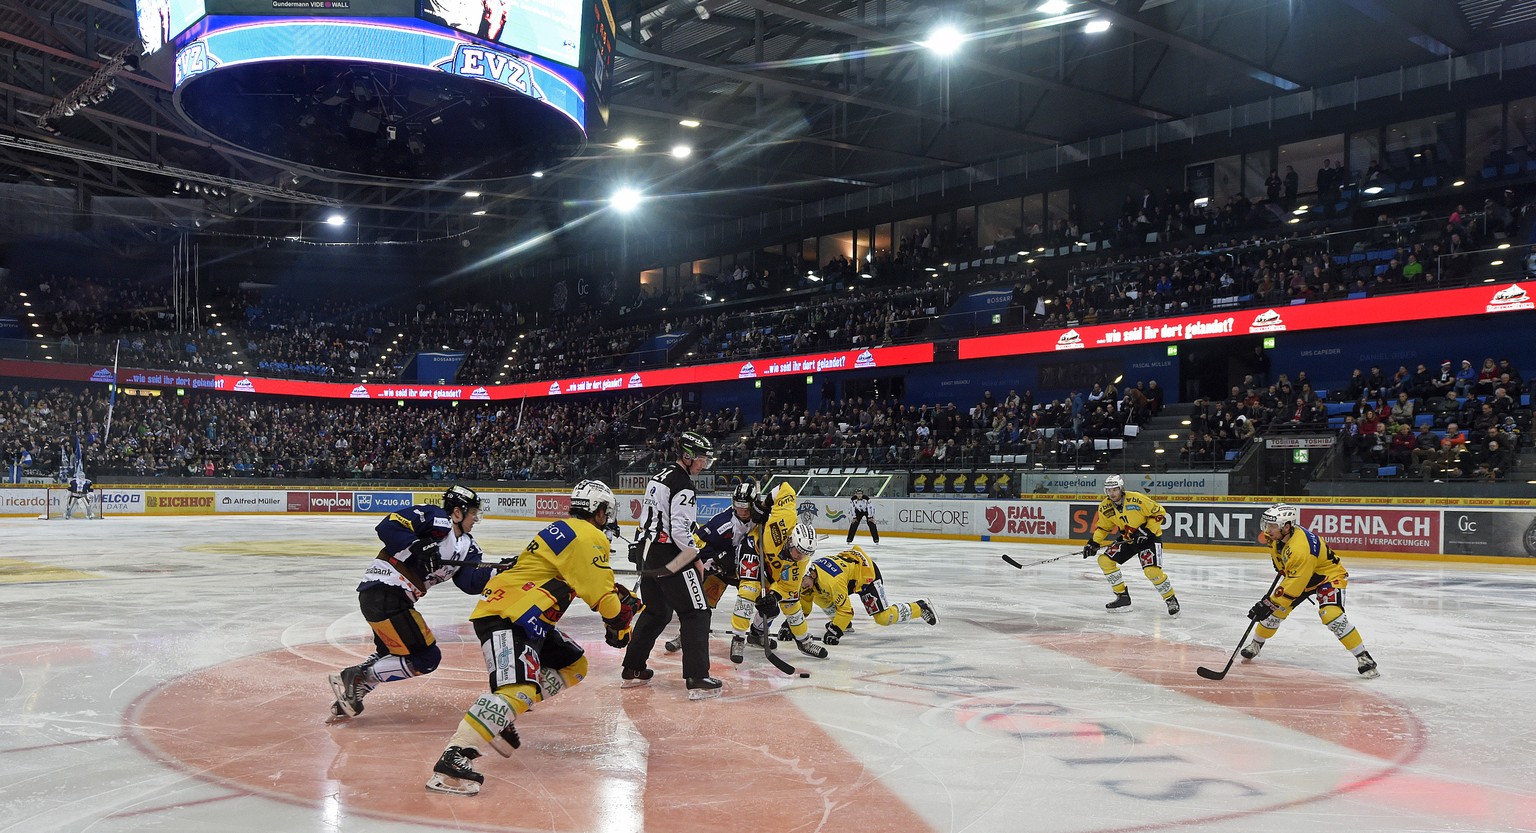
(1193, 47)
(1384, 13)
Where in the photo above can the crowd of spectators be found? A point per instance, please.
(222, 435)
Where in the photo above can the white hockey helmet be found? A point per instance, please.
(590, 496)
(803, 538)
(1279, 515)
(1112, 482)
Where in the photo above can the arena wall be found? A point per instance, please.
(1490, 530)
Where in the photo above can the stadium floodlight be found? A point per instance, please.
(538, 174)
(681, 151)
(1053, 7)
(625, 200)
(335, 220)
(628, 143)
(690, 122)
(945, 40)
(1095, 26)
(471, 193)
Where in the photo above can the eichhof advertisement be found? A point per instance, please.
(178, 503)
(250, 501)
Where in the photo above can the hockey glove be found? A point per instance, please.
(426, 553)
(1262, 609)
(768, 605)
(1090, 549)
(618, 627)
(834, 634)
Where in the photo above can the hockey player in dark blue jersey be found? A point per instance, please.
(423, 546)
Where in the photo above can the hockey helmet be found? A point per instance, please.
(693, 444)
(461, 497)
(1112, 482)
(1279, 515)
(744, 495)
(590, 497)
(803, 538)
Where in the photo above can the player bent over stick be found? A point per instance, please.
(772, 564)
(1137, 521)
(1309, 568)
(831, 581)
(528, 658)
(424, 546)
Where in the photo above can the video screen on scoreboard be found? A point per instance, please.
(161, 20)
(547, 28)
(317, 8)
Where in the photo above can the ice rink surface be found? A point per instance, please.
(169, 675)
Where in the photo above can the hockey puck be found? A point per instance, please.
(805, 675)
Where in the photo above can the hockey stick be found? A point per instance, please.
(778, 662)
(1013, 563)
(1217, 675)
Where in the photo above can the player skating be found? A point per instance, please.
(783, 555)
(423, 547)
(528, 658)
(1136, 522)
(832, 581)
(1309, 568)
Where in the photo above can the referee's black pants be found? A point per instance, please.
(681, 593)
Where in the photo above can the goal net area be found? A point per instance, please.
(58, 505)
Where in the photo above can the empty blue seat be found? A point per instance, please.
(1357, 257)
(1488, 172)
(1422, 420)
(1386, 471)
(1511, 168)
(1380, 268)
(1355, 296)
(1431, 181)
(1232, 455)
(1337, 408)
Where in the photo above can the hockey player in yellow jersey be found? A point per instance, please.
(832, 581)
(1308, 567)
(1132, 524)
(772, 563)
(530, 659)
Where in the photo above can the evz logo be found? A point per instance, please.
(472, 61)
(193, 61)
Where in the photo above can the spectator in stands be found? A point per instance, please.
(1292, 183)
(1466, 378)
(1495, 462)
(1272, 185)
(1400, 450)
(1402, 409)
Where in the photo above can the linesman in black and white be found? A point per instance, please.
(671, 579)
(859, 508)
(81, 493)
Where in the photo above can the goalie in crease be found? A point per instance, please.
(528, 658)
(1136, 522)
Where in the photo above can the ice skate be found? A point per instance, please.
(738, 649)
(632, 678)
(674, 644)
(1366, 666)
(455, 772)
(1173, 605)
(703, 688)
(927, 612)
(347, 685)
(810, 648)
(1122, 602)
(1252, 649)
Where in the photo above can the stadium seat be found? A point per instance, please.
(1488, 172)
(1386, 471)
(1511, 168)
(1423, 419)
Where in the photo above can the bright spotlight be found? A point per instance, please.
(335, 220)
(471, 193)
(1093, 27)
(538, 174)
(628, 143)
(690, 122)
(682, 151)
(1053, 7)
(625, 200)
(945, 41)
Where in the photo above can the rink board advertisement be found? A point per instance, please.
(1414, 526)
